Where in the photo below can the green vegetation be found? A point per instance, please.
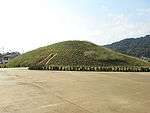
(73, 54)
(139, 47)
(89, 68)
(2, 66)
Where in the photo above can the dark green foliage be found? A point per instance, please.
(139, 47)
(37, 67)
(98, 69)
(2, 66)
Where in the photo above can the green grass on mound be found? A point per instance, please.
(75, 53)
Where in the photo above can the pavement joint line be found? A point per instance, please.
(50, 105)
(68, 101)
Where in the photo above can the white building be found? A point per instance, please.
(8, 56)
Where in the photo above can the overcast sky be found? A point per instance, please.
(29, 24)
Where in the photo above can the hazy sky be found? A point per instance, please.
(28, 24)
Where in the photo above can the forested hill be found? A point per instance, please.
(139, 47)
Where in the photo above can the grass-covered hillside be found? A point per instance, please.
(139, 47)
(75, 53)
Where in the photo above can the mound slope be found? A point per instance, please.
(75, 53)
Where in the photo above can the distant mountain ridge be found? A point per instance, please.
(138, 47)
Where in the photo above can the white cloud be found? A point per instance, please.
(143, 11)
(118, 28)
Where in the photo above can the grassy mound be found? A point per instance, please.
(75, 53)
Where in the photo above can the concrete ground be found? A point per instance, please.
(25, 91)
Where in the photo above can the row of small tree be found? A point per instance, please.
(91, 68)
(2, 66)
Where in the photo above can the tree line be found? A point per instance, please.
(91, 68)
